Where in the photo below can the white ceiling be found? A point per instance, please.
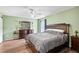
(37, 11)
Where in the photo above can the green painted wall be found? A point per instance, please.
(10, 24)
(70, 16)
(38, 25)
(35, 27)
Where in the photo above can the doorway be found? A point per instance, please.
(1, 29)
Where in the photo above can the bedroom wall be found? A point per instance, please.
(70, 16)
(11, 24)
(35, 26)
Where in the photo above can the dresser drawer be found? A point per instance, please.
(75, 41)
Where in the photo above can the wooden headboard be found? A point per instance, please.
(62, 26)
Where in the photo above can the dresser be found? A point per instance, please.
(75, 43)
(24, 32)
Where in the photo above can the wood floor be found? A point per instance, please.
(15, 46)
(20, 46)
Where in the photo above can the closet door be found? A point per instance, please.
(1, 30)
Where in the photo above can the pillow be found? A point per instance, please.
(57, 30)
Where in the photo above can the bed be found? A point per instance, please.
(54, 36)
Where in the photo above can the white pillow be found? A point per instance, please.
(57, 30)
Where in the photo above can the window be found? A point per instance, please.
(42, 25)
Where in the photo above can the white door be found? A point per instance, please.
(1, 30)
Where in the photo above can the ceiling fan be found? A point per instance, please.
(34, 14)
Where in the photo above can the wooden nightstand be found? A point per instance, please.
(75, 43)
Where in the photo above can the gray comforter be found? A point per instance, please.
(46, 41)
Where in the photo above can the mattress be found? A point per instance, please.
(46, 41)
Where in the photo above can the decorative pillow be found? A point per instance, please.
(57, 30)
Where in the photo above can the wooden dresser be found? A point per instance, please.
(24, 32)
(75, 43)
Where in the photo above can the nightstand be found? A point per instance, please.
(75, 43)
